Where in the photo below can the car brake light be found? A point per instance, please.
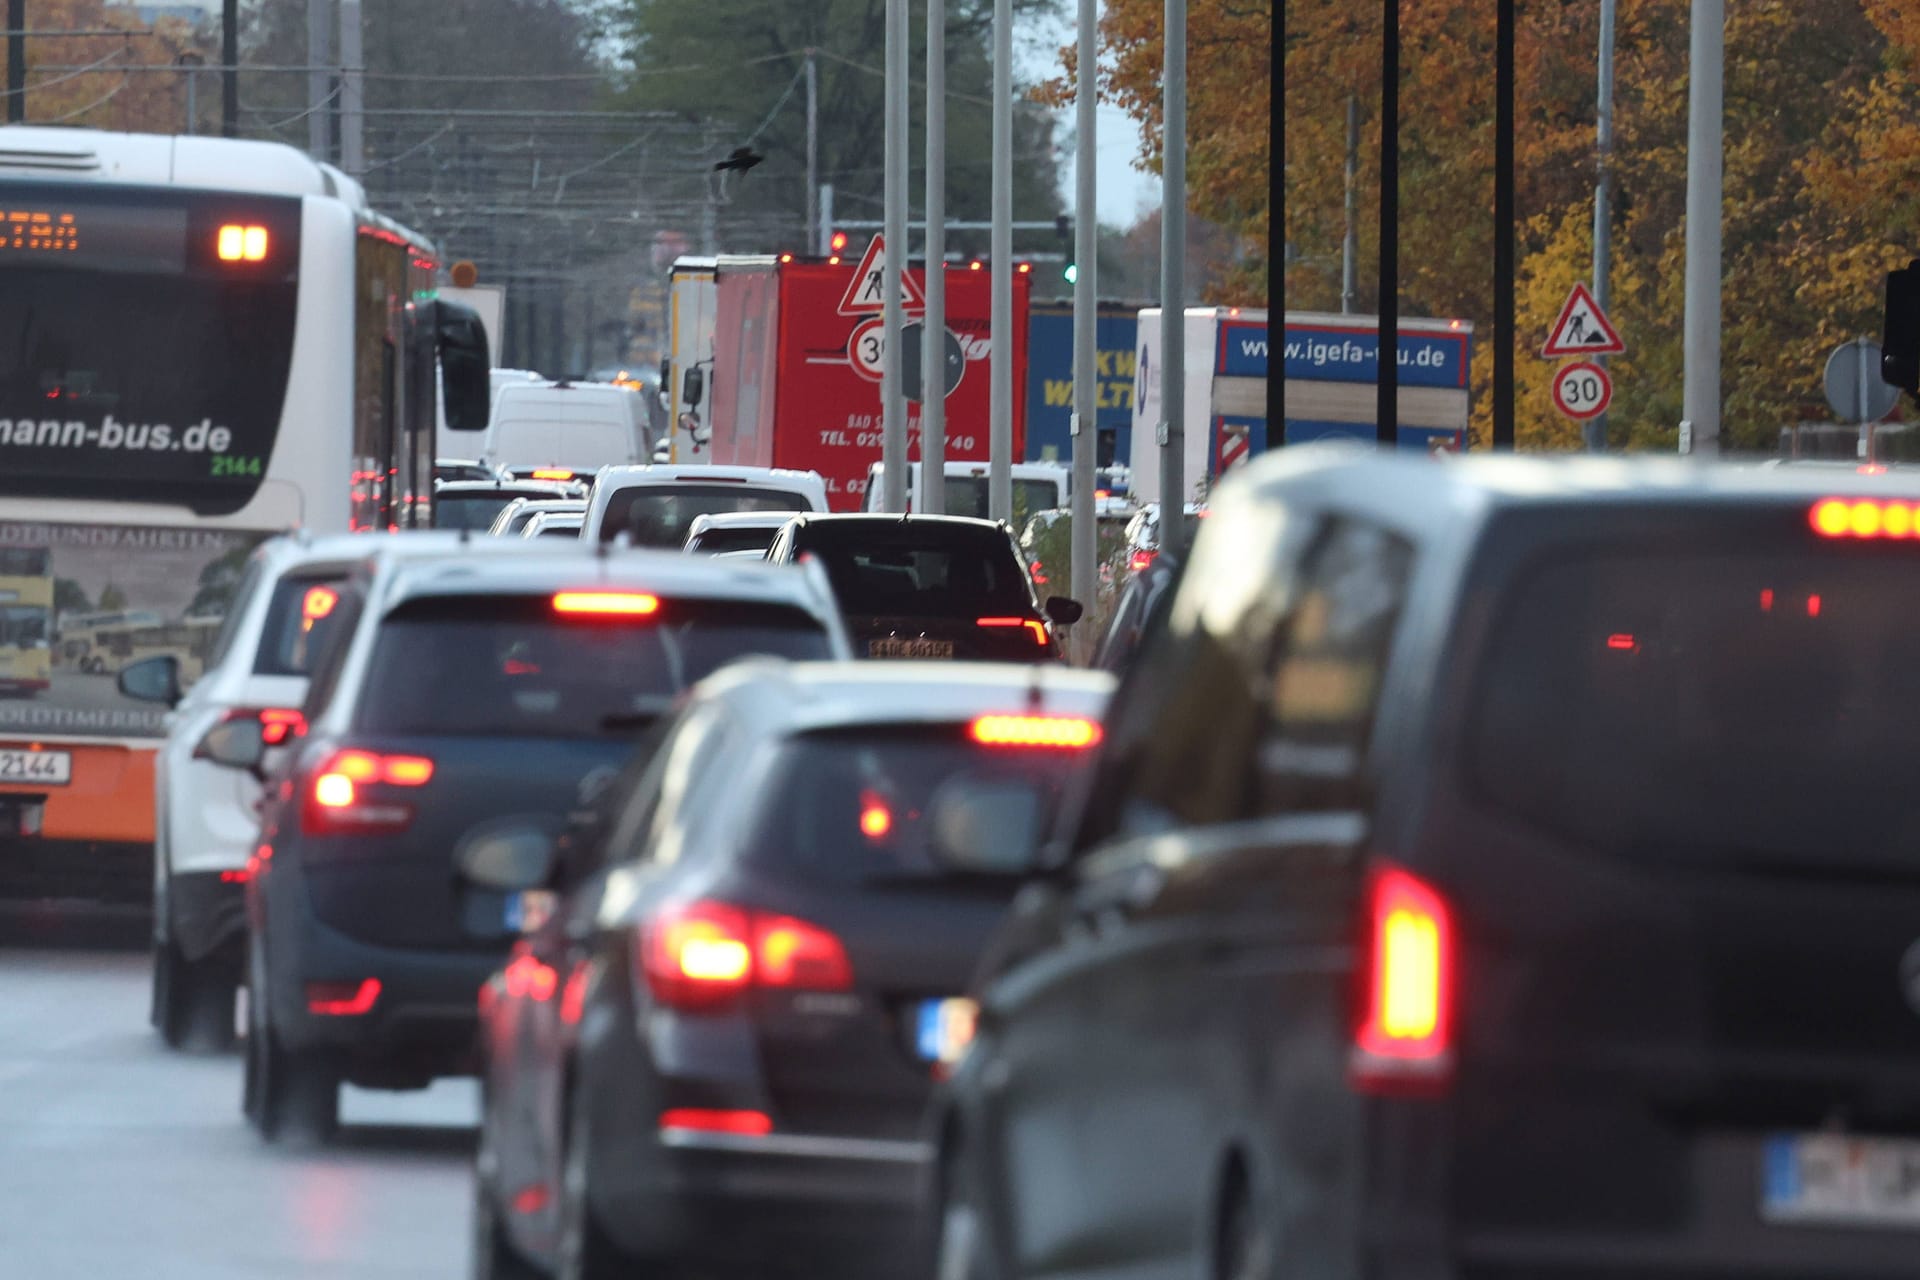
(876, 818)
(1406, 1033)
(703, 954)
(1039, 578)
(549, 473)
(318, 603)
(1140, 560)
(1864, 518)
(337, 801)
(627, 603)
(711, 1120)
(342, 999)
(1071, 732)
(278, 724)
(1038, 627)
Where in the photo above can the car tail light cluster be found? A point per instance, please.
(1034, 625)
(347, 792)
(1067, 732)
(1140, 560)
(343, 999)
(1405, 1034)
(703, 955)
(749, 1124)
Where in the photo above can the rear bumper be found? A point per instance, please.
(422, 1023)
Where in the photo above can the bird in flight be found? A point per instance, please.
(743, 159)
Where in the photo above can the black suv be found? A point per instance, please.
(1498, 869)
(929, 586)
(457, 690)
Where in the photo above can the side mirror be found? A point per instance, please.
(235, 744)
(988, 828)
(152, 680)
(466, 379)
(693, 386)
(509, 854)
(1062, 611)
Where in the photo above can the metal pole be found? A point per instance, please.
(893, 263)
(193, 103)
(813, 148)
(319, 58)
(1086, 232)
(933, 348)
(17, 62)
(1173, 289)
(1504, 302)
(1350, 243)
(353, 96)
(825, 240)
(1700, 428)
(1596, 431)
(230, 69)
(1387, 385)
(1861, 410)
(1000, 249)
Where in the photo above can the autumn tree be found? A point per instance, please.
(1229, 115)
(108, 81)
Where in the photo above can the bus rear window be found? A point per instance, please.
(97, 399)
(1754, 706)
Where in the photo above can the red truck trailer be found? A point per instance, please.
(796, 368)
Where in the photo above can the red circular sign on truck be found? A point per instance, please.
(1582, 391)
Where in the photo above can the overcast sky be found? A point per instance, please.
(1124, 192)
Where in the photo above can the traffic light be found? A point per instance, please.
(1070, 272)
(838, 244)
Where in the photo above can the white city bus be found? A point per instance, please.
(203, 341)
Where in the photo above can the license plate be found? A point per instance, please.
(944, 1029)
(37, 768)
(1830, 1178)
(901, 647)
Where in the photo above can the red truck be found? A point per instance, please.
(796, 367)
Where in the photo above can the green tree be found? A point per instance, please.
(70, 597)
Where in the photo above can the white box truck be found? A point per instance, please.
(1226, 396)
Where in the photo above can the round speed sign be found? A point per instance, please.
(1582, 391)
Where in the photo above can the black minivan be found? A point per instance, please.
(1492, 869)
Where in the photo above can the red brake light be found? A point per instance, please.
(708, 1120)
(702, 955)
(1406, 1034)
(318, 603)
(876, 819)
(1034, 625)
(1071, 732)
(336, 802)
(627, 603)
(551, 473)
(527, 975)
(278, 724)
(342, 999)
(1864, 518)
(1140, 560)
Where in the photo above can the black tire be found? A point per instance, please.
(289, 1097)
(586, 1251)
(1246, 1249)
(494, 1257)
(193, 1001)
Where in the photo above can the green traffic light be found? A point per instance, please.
(1072, 273)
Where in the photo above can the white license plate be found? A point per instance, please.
(1831, 1178)
(919, 647)
(36, 768)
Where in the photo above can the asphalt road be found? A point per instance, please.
(122, 1159)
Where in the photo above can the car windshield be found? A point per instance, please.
(299, 619)
(851, 806)
(511, 666)
(660, 515)
(967, 496)
(714, 541)
(919, 568)
(471, 509)
(1692, 706)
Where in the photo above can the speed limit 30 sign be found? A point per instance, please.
(1582, 391)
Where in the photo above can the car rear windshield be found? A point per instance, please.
(1748, 706)
(715, 541)
(299, 618)
(919, 569)
(512, 666)
(660, 515)
(473, 509)
(850, 806)
(967, 496)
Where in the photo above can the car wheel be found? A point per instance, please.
(193, 1001)
(292, 1097)
(961, 1251)
(1246, 1246)
(586, 1253)
(494, 1257)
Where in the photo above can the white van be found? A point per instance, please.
(578, 427)
(1037, 486)
(656, 506)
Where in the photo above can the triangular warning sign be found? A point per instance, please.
(866, 295)
(1583, 329)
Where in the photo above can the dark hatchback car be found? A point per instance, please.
(457, 690)
(1497, 870)
(714, 1056)
(929, 586)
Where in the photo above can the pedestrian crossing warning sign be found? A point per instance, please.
(867, 294)
(1582, 329)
